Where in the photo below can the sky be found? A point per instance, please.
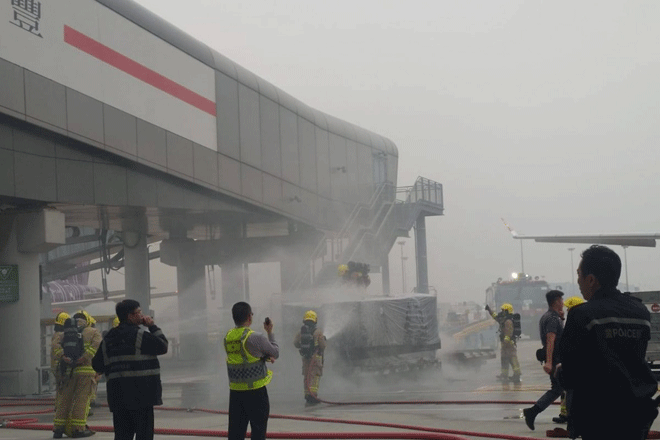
(543, 113)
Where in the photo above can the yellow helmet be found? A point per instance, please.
(115, 322)
(507, 307)
(310, 315)
(90, 320)
(61, 318)
(342, 269)
(573, 301)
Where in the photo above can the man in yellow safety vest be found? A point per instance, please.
(247, 354)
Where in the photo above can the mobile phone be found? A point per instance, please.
(267, 321)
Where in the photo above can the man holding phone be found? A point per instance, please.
(247, 354)
(128, 358)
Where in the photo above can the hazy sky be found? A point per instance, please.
(544, 113)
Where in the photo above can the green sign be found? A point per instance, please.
(8, 283)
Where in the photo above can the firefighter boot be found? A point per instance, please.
(84, 433)
(560, 419)
(530, 415)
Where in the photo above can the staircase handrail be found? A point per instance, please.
(414, 207)
(323, 242)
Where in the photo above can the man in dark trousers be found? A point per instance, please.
(247, 354)
(550, 328)
(128, 358)
(603, 356)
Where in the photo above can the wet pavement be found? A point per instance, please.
(185, 387)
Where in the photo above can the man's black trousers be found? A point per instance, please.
(129, 423)
(248, 406)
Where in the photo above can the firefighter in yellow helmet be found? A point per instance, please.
(77, 391)
(566, 395)
(310, 342)
(573, 301)
(91, 322)
(56, 354)
(509, 350)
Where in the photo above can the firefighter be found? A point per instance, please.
(56, 354)
(565, 397)
(77, 386)
(310, 342)
(509, 351)
(91, 322)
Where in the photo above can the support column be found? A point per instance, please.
(235, 276)
(22, 238)
(288, 270)
(136, 256)
(193, 322)
(385, 274)
(420, 257)
(233, 284)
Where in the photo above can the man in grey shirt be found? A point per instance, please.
(550, 328)
(247, 354)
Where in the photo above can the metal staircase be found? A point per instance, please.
(371, 230)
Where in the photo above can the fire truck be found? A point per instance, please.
(526, 295)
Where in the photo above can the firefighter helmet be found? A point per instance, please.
(507, 307)
(61, 318)
(573, 301)
(310, 315)
(90, 320)
(342, 269)
(115, 322)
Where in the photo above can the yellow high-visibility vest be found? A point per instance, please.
(245, 371)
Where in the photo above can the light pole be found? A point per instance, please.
(625, 259)
(403, 275)
(403, 267)
(572, 272)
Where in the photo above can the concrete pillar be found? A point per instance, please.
(289, 270)
(22, 238)
(136, 257)
(385, 274)
(420, 255)
(193, 322)
(235, 276)
(233, 284)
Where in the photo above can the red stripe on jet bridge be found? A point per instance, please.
(137, 70)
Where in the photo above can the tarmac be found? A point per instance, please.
(186, 387)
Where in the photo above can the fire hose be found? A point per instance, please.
(424, 433)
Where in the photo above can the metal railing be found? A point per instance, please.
(364, 225)
(334, 245)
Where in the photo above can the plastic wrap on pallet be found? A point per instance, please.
(375, 327)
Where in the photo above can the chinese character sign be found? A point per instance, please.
(27, 14)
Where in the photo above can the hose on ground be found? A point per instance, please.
(423, 433)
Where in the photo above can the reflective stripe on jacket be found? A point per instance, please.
(132, 365)
(245, 371)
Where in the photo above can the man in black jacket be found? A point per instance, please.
(603, 355)
(127, 357)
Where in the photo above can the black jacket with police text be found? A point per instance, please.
(603, 356)
(127, 358)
